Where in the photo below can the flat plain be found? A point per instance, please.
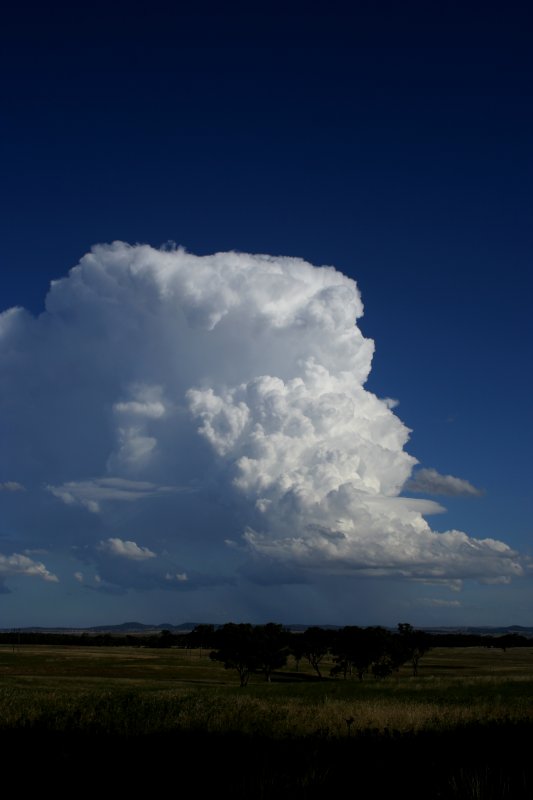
(460, 728)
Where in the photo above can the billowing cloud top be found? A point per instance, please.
(216, 398)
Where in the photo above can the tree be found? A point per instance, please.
(356, 649)
(164, 639)
(315, 645)
(248, 649)
(201, 636)
(363, 650)
(346, 651)
(296, 647)
(413, 645)
(235, 648)
(271, 650)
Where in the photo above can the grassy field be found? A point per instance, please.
(461, 728)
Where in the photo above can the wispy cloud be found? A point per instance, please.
(92, 493)
(11, 486)
(429, 481)
(126, 549)
(181, 577)
(437, 602)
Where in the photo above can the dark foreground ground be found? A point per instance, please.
(478, 761)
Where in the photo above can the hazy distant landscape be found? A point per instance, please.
(186, 627)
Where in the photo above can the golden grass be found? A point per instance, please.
(138, 690)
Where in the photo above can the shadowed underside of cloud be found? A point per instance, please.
(429, 481)
(228, 393)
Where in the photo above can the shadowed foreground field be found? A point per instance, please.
(137, 718)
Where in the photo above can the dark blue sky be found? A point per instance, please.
(391, 140)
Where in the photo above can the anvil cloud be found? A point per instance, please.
(165, 405)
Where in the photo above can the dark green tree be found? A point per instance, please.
(201, 636)
(361, 650)
(296, 647)
(353, 650)
(271, 648)
(235, 648)
(316, 643)
(411, 645)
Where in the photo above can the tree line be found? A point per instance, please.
(354, 651)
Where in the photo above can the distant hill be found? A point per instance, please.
(485, 630)
(140, 627)
(124, 627)
(184, 627)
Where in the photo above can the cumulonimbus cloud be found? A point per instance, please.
(240, 379)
